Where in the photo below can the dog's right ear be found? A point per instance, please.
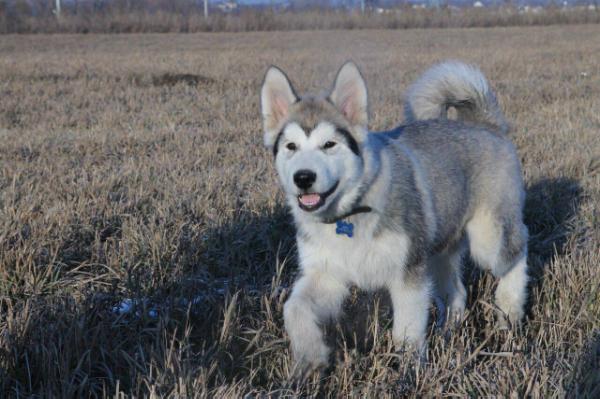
(276, 97)
(349, 94)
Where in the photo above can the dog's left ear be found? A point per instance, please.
(349, 94)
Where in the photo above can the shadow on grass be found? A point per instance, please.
(550, 210)
(586, 382)
(211, 318)
(191, 314)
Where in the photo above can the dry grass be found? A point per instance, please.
(190, 19)
(131, 167)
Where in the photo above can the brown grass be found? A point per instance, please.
(132, 167)
(118, 20)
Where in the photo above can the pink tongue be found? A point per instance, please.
(310, 199)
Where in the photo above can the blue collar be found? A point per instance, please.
(359, 209)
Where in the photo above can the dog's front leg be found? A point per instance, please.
(411, 301)
(316, 297)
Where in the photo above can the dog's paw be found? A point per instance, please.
(415, 350)
(508, 321)
(508, 315)
(313, 355)
(308, 361)
(306, 337)
(449, 317)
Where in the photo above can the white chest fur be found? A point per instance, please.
(364, 260)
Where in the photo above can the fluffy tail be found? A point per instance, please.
(458, 85)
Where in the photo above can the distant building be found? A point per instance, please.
(478, 4)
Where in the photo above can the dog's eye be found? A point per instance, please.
(329, 144)
(291, 146)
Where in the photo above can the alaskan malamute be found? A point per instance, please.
(396, 209)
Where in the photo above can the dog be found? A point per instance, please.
(397, 209)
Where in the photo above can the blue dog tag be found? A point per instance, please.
(342, 228)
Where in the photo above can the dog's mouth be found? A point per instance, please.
(310, 202)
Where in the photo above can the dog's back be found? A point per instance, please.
(464, 167)
(470, 167)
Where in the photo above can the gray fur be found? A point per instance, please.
(435, 186)
(458, 85)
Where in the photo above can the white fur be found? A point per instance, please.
(485, 238)
(361, 260)
(411, 305)
(330, 264)
(315, 298)
(511, 292)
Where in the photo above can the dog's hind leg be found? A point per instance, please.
(316, 297)
(499, 244)
(511, 293)
(447, 272)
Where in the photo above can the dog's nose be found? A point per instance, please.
(305, 178)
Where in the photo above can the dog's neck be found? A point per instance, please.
(357, 210)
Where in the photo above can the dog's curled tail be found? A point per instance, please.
(458, 85)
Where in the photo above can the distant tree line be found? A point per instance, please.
(125, 16)
(47, 7)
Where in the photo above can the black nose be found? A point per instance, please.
(304, 178)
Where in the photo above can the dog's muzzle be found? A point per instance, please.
(310, 202)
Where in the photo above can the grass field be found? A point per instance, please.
(131, 168)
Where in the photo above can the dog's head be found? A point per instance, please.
(317, 141)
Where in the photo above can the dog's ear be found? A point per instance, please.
(276, 97)
(349, 94)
